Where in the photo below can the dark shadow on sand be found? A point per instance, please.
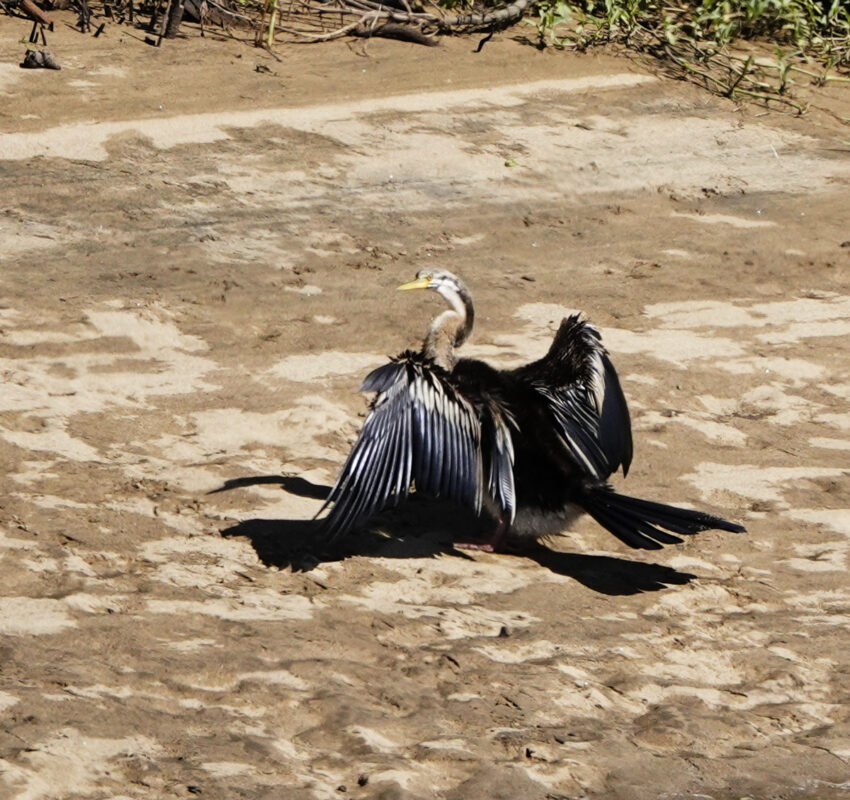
(423, 528)
(289, 483)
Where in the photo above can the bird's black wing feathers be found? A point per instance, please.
(577, 426)
(500, 461)
(615, 424)
(421, 431)
(582, 392)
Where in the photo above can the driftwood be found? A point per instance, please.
(317, 21)
(391, 30)
(210, 12)
(488, 20)
(173, 18)
(34, 12)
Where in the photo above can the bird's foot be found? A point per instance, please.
(493, 544)
(485, 546)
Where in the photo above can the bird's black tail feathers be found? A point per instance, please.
(639, 523)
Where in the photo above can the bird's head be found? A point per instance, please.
(438, 280)
(453, 325)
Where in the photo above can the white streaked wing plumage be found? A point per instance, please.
(501, 479)
(577, 425)
(420, 431)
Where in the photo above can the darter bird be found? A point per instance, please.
(532, 447)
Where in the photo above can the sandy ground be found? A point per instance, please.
(197, 267)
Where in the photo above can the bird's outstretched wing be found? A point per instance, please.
(421, 431)
(582, 392)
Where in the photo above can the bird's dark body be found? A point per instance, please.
(542, 438)
(544, 479)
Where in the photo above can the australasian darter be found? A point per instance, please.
(533, 447)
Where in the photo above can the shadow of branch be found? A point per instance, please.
(289, 483)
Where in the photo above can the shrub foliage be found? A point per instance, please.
(702, 41)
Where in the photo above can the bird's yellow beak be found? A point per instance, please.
(419, 283)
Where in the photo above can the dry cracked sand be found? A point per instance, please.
(197, 265)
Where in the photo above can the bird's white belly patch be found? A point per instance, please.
(537, 524)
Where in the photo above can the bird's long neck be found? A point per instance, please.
(450, 329)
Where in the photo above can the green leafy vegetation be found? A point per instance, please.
(704, 41)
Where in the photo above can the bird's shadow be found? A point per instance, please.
(423, 528)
